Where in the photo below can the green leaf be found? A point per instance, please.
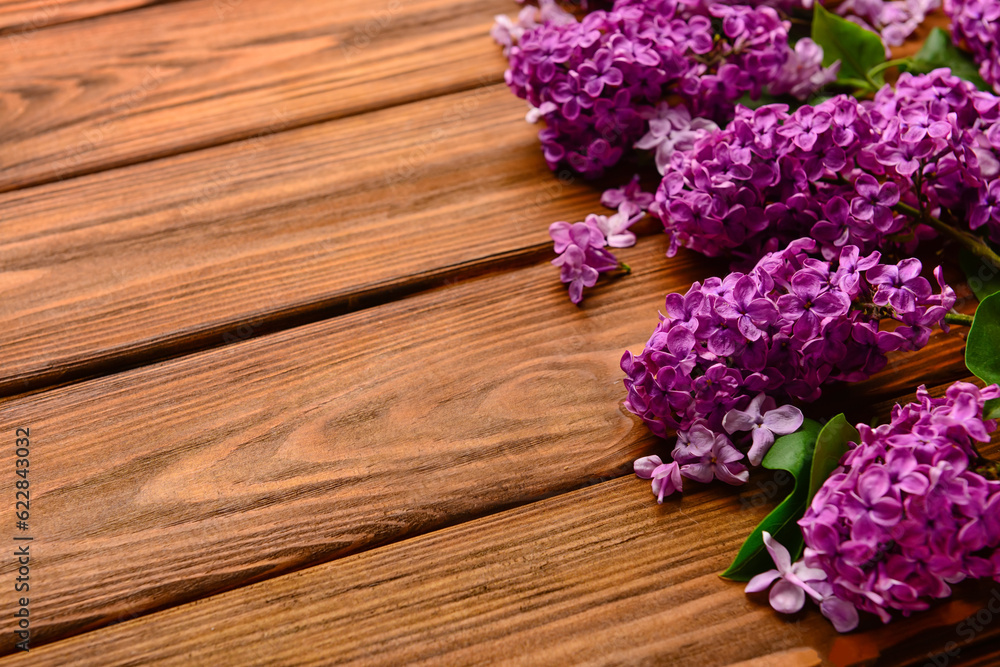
(991, 410)
(983, 278)
(831, 445)
(793, 453)
(982, 347)
(940, 51)
(857, 49)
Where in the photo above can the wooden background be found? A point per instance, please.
(302, 386)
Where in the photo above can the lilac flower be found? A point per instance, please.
(576, 271)
(764, 421)
(582, 256)
(906, 516)
(748, 309)
(901, 286)
(806, 127)
(976, 23)
(874, 202)
(788, 595)
(600, 72)
(726, 353)
(631, 193)
(670, 130)
(809, 300)
(615, 228)
(666, 476)
(708, 456)
(579, 234)
(794, 582)
(988, 208)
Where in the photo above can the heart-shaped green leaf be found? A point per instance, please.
(940, 51)
(982, 347)
(793, 453)
(857, 49)
(831, 445)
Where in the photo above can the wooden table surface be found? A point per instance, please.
(301, 385)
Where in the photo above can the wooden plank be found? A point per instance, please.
(21, 19)
(796, 657)
(600, 575)
(176, 77)
(250, 237)
(240, 239)
(162, 466)
(174, 481)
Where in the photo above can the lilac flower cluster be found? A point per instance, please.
(976, 23)
(906, 515)
(597, 82)
(582, 246)
(844, 172)
(727, 350)
(507, 32)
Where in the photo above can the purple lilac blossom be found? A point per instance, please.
(764, 421)
(729, 351)
(836, 171)
(976, 24)
(672, 129)
(803, 72)
(666, 476)
(906, 515)
(597, 82)
(631, 193)
(582, 246)
(794, 581)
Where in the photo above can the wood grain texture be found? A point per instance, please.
(176, 77)
(602, 575)
(796, 657)
(21, 19)
(174, 481)
(599, 576)
(239, 239)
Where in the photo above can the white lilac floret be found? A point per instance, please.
(791, 583)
